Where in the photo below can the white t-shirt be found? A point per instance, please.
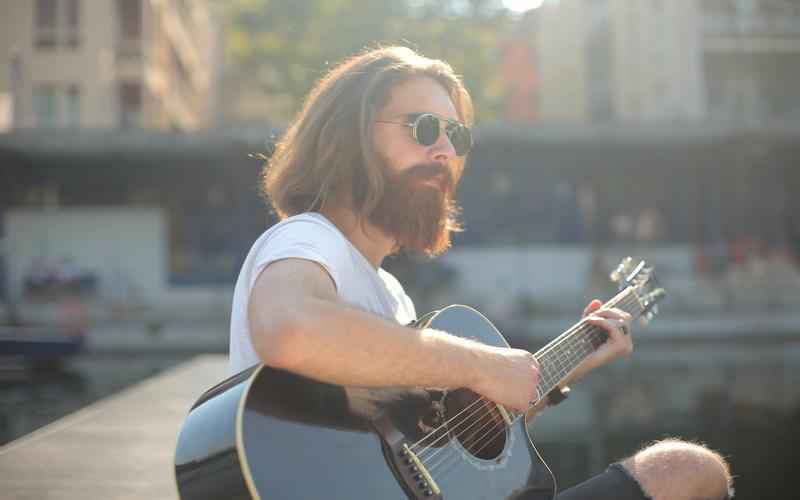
(312, 237)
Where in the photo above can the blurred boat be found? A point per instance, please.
(39, 346)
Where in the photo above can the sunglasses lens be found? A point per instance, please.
(461, 139)
(427, 130)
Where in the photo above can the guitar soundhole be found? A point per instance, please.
(476, 423)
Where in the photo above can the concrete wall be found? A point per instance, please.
(126, 248)
(658, 60)
(556, 277)
(560, 56)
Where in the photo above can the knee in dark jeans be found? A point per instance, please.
(615, 483)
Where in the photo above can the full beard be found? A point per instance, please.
(420, 216)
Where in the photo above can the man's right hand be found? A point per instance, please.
(508, 377)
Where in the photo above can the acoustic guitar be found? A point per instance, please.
(269, 434)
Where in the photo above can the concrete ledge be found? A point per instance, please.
(119, 448)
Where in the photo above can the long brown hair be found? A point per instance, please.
(328, 149)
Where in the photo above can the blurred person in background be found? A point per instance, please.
(369, 167)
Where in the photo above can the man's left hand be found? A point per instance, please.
(618, 325)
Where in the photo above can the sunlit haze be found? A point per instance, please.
(522, 5)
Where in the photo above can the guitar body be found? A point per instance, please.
(271, 435)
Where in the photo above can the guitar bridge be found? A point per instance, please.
(416, 475)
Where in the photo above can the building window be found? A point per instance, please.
(45, 105)
(45, 24)
(72, 106)
(130, 18)
(129, 29)
(56, 105)
(599, 62)
(130, 105)
(73, 24)
(57, 23)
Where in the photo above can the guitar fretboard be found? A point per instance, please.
(561, 356)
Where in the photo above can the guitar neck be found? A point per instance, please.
(561, 356)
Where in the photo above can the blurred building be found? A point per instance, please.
(604, 171)
(656, 60)
(667, 130)
(108, 64)
(104, 105)
(146, 218)
(652, 125)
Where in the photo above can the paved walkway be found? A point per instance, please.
(119, 448)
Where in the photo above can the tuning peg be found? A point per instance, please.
(646, 273)
(625, 266)
(655, 296)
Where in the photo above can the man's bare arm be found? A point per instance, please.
(298, 323)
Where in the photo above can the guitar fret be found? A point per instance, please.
(557, 360)
(549, 377)
(556, 364)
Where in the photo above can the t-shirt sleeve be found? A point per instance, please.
(407, 311)
(302, 239)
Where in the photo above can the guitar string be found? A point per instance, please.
(476, 402)
(585, 345)
(479, 405)
(576, 329)
(487, 436)
(619, 300)
(475, 437)
(442, 467)
(576, 341)
(582, 344)
(492, 423)
(484, 409)
(581, 327)
(490, 432)
(473, 442)
(579, 343)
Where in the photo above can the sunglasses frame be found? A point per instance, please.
(453, 125)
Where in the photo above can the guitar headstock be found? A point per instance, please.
(641, 278)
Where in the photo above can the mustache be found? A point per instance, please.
(430, 170)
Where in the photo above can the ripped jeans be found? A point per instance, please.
(615, 483)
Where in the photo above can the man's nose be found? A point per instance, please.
(443, 150)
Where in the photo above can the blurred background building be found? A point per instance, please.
(664, 129)
(669, 127)
(110, 64)
(625, 124)
(653, 60)
(132, 135)
(89, 90)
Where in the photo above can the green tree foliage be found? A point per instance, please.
(284, 46)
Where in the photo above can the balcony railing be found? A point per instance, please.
(49, 38)
(751, 24)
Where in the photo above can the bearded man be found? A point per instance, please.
(369, 167)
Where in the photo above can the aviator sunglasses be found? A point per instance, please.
(425, 128)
